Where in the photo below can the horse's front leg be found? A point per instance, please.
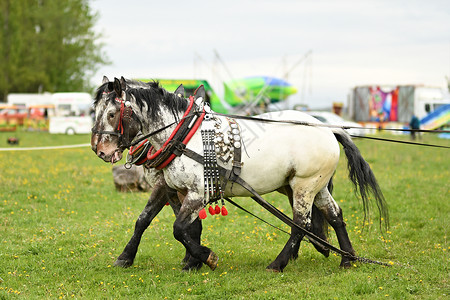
(192, 204)
(159, 197)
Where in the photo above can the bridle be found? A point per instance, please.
(125, 115)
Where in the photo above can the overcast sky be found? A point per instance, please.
(352, 42)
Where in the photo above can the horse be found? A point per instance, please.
(162, 194)
(302, 169)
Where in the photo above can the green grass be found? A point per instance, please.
(62, 225)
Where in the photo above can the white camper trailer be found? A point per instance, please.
(72, 113)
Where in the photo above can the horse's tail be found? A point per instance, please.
(362, 176)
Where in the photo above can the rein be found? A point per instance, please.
(323, 125)
(294, 122)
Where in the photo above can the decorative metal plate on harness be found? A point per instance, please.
(213, 189)
(225, 144)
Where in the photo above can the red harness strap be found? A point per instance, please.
(194, 128)
(122, 111)
(185, 141)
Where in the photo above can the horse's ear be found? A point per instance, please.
(105, 80)
(110, 86)
(123, 82)
(199, 92)
(117, 87)
(180, 91)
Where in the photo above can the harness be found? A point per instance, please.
(143, 153)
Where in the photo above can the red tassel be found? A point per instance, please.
(217, 209)
(212, 212)
(224, 211)
(202, 214)
(167, 204)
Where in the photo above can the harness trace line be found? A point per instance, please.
(398, 141)
(325, 125)
(294, 122)
(358, 258)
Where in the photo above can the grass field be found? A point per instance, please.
(62, 225)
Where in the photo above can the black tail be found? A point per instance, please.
(362, 176)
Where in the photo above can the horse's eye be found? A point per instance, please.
(111, 115)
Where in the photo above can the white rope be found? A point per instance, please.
(45, 148)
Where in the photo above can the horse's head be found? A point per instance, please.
(115, 125)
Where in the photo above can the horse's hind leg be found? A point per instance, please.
(333, 213)
(319, 226)
(302, 207)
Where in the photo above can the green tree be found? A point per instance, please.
(48, 45)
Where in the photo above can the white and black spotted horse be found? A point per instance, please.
(301, 165)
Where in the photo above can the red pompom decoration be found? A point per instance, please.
(217, 209)
(211, 210)
(224, 211)
(167, 204)
(202, 214)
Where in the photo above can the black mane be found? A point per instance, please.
(153, 95)
(106, 87)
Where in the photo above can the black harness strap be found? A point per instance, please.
(398, 141)
(277, 213)
(252, 118)
(252, 214)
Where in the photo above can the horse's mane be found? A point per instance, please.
(109, 87)
(152, 95)
(99, 93)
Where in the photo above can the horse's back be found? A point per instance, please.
(276, 152)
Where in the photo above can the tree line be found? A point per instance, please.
(48, 45)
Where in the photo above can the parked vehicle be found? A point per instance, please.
(13, 114)
(70, 125)
(57, 113)
(333, 119)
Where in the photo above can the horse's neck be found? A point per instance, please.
(165, 117)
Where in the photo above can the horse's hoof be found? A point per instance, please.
(274, 268)
(123, 263)
(212, 260)
(192, 267)
(345, 264)
(324, 251)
